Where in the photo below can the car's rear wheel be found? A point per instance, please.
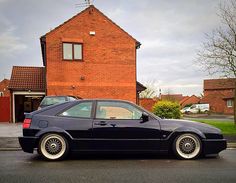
(53, 147)
(187, 146)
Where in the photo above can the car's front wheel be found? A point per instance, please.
(53, 147)
(187, 146)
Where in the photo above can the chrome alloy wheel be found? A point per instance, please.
(188, 146)
(53, 146)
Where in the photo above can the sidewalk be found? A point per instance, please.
(9, 133)
(10, 129)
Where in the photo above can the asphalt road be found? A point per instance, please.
(17, 166)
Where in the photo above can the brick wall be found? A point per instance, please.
(147, 103)
(217, 100)
(108, 69)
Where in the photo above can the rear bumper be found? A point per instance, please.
(28, 143)
(214, 146)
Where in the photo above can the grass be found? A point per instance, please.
(227, 127)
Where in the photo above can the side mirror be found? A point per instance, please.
(145, 117)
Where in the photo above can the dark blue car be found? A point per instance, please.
(114, 125)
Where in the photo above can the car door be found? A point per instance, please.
(77, 121)
(118, 125)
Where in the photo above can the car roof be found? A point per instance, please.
(59, 96)
(104, 99)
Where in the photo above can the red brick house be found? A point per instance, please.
(172, 97)
(189, 100)
(4, 88)
(89, 56)
(219, 93)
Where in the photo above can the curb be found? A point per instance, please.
(231, 145)
(11, 149)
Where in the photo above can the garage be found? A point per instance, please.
(25, 103)
(27, 88)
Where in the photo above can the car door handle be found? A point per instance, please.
(101, 123)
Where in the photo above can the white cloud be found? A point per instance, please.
(10, 43)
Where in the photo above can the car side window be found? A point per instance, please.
(81, 110)
(117, 110)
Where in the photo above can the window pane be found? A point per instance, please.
(229, 103)
(82, 110)
(53, 100)
(117, 110)
(67, 51)
(78, 51)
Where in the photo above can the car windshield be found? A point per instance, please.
(53, 100)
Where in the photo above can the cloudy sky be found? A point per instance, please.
(171, 31)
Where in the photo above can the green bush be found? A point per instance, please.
(167, 109)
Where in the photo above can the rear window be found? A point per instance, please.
(52, 100)
(81, 110)
(72, 99)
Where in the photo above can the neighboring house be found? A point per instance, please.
(189, 100)
(4, 92)
(89, 56)
(219, 93)
(172, 97)
(27, 87)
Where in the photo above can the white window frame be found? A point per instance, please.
(229, 103)
(73, 46)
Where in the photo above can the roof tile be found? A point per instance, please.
(27, 78)
(217, 84)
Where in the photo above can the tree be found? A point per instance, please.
(218, 53)
(150, 92)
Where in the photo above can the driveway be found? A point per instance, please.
(10, 129)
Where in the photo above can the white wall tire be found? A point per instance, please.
(187, 146)
(53, 147)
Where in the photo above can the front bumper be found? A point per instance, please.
(214, 146)
(28, 143)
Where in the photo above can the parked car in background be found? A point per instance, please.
(114, 126)
(51, 100)
(185, 110)
(196, 108)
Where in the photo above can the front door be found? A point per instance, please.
(118, 125)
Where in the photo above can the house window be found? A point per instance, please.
(72, 51)
(229, 103)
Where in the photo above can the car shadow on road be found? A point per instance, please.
(118, 156)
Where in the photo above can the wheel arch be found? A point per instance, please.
(55, 130)
(183, 130)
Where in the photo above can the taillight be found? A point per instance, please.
(27, 122)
